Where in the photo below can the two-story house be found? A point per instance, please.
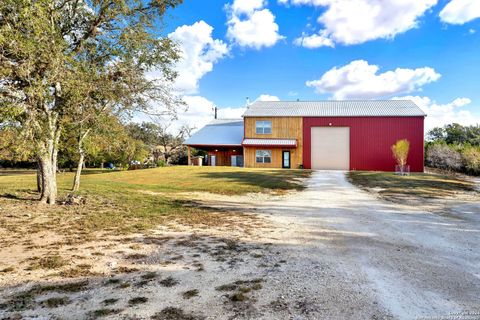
(337, 135)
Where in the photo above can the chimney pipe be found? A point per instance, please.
(248, 101)
(215, 112)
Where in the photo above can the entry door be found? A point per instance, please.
(213, 161)
(330, 148)
(286, 159)
(237, 161)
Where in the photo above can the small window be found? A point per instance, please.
(263, 156)
(263, 127)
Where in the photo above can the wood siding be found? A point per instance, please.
(223, 157)
(282, 128)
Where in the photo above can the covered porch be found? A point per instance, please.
(222, 141)
(220, 155)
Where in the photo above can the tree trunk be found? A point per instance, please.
(39, 177)
(48, 163)
(49, 181)
(76, 180)
(81, 160)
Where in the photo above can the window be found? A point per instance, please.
(263, 156)
(263, 127)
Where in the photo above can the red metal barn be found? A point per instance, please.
(323, 135)
(371, 139)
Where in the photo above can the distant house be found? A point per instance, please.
(336, 135)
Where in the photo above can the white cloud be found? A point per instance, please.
(247, 6)
(361, 80)
(314, 41)
(267, 97)
(200, 112)
(460, 11)
(251, 25)
(199, 52)
(439, 115)
(357, 21)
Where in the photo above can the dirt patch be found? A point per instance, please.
(433, 191)
(124, 269)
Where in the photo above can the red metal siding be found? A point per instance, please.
(371, 139)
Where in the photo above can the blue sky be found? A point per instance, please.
(425, 50)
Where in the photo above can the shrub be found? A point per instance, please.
(471, 157)
(161, 163)
(400, 151)
(445, 157)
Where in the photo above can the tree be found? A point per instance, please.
(456, 134)
(170, 143)
(113, 144)
(159, 139)
(60, 58)
(400, 151)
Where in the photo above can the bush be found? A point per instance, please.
(471, 158)
(161, 163)
(445, 157)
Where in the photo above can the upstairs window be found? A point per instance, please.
(263, 156)
(263, 127)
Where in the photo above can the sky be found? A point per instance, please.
(424, 50)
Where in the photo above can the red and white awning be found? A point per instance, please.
(292, 143)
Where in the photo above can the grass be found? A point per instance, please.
(137, 300)
(7, 269)
(135, 201)
(110, 301)
(49, 262)
(169, 282)
(100, 313)
(417, 185)
(55, 302)
(26, 299)
(172, 313)
(190, 294)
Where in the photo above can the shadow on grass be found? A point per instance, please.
(23, 195)
(421, 185)
(13, 172)
(269, 179)
(98, 171)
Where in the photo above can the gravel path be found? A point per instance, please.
(331, 251)
(352, 256)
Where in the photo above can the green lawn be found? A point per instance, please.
(418, 185)
(137, 200)
(221, 180)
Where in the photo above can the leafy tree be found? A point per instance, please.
(436, 134)
(456, 134)
(400, 151)
(113, 144)
(60, 59)
(159, 139)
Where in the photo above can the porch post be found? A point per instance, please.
(189, 154)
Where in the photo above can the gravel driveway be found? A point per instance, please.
(352, 256)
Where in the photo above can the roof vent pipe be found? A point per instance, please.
(248, 101)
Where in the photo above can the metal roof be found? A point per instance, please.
(227, 132)
(270, 142)
(332, 108)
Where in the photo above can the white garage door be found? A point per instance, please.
(330, 148)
